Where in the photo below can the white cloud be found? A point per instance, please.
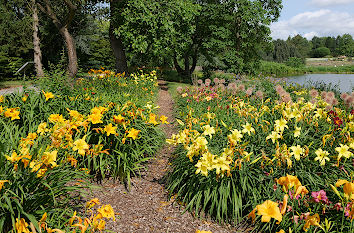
(323, 3)
(320, 23)
(310, 35)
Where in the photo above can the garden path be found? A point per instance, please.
(146, 208)
(18, 89)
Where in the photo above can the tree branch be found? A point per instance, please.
(48, 11)
(72, 10)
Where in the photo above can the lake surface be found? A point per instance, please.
(345, 82)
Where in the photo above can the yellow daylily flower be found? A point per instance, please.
(2, 182)
(321, 156)
(208, 130)
(49, 158)
(133, 133)
(163, 119)
(235, 137)
(95, 118)
(343, 151)
(81, 146)
(313, 220)
(92, 203)
(110, 129)
(152, 119)
(288, 182)
(12, 113)
(280, 125)
(107, 212)
(48, 95)
(21, 226)
(118, 119)
(297, 151)
(297, 132)
(247, 128)
(42, 128)
(274, 136)
(269, 209)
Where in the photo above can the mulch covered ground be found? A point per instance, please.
(147, 208)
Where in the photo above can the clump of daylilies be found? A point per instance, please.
(231, 130)
(64, 142)
(95, 222)
(105, 125)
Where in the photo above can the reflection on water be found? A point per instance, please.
(345, 82)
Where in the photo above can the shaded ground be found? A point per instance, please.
(146, 207)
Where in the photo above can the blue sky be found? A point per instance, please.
(314, 18)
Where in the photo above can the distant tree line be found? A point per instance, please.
(317, 47)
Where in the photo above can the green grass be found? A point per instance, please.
(172, 87)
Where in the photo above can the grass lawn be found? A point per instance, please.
(172, 86)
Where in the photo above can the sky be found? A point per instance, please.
(311, 18)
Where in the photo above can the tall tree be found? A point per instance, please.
(36, 41)
(301, 44)
(346, 45)
(116, 7)
(226, 31)
(63, 27)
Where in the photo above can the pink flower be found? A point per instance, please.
(330, 95)
(338, 206)
(259, 94)
(323, 94)
(320, 196)
(216, 81)
(295, 219)
(279, 89)
(241, 87)
(347, 210)
(334, 102)
(179, 90)
(349, 100)
(344, 96)
(313, 93)
(249, 91)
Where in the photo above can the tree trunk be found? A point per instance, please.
(116, 42)
(185, 71)
(70, 46)
(118, 51)
(37, 55)
(64, 32)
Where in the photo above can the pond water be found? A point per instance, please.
(344, 82)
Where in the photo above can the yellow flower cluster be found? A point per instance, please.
(294, 117)
(62, 132)
(96, 222)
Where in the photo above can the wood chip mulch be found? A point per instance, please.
(146, 207)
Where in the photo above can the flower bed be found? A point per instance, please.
(280, 156)
(54, 140)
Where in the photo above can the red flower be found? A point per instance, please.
(337, 121)
(333, 113)
(352, 112)
(93, 93)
